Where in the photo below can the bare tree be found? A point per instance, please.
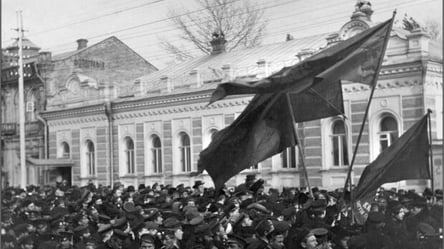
(241, 21)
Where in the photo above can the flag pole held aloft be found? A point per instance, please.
(314, 86)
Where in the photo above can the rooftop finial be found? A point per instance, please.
(363, 9)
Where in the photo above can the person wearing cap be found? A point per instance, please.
(279, 234)
(243, 225)
(170, 240)
(322, 237)
(263, 229)
(147, 241)
(249, 180)
(307, 240)
(315, 215)
(396, 228)
(374, 232)
(198, 189)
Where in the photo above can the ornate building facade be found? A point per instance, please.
(86, 76)
(154, 131)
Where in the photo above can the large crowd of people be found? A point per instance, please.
(191, 217)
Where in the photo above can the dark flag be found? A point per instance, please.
(407, 158)
(265, 128)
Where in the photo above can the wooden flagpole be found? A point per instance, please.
(432, 182)
(293, 122)
(374, 82)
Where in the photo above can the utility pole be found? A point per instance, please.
(23, 172)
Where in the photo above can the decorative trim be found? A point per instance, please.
(181, 109)
(357, 87)
(82, 111)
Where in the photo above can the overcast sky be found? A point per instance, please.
(55, 25)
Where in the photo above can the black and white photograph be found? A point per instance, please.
(221, 124)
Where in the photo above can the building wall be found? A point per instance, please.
(408, 85)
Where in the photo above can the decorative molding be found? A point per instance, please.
(357, 87)
(82, 111)
(80, 120)
(389, 71)
(181, 109)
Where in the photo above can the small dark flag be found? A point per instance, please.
(407, 158)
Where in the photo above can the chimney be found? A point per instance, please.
(45, 56)
(82, 43)
(218, 43)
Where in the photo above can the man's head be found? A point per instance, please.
(147, 242)
(309, 241)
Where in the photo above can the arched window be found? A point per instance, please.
(185, 152)
(388, 132)
(289, 157)
(65, 150)
(156, 150)
(129, 155)
(212, 133)
(90, 158)
(339, 144)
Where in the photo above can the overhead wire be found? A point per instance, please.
(88, 19)
(162, 55)
(296, 27)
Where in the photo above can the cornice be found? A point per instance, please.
(357, 87)
(82, 120)
(75, 112)
(398, 70)
(180, 109)
(156, 102)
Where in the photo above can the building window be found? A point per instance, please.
(65, 150)
(212, 133)
(129, 156)
(90, 158)
(388, 132)
(185, 152)
(339, 144)
(156, 151)
(289, 158)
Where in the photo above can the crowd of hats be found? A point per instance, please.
(123, 217)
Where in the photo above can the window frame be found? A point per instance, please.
(90, 158)
(63, 153)
(339, 141)
(289, 157)
(130, 157)
(386, 135)
(185, 153)
(156, 155)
